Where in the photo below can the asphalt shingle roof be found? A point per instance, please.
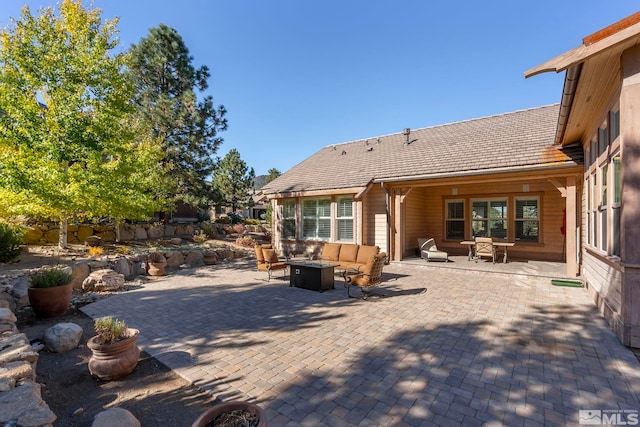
(517, 139)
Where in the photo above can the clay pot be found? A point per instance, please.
(115, 360)
(50, 302)
(156, 269)
(211, 414)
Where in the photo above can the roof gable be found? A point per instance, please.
(485, 145)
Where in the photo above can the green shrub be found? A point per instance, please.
(109, 329)
(50, 278)
(223, 220)
(251, 221)
(10, 241)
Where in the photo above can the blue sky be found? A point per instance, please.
(298, 75)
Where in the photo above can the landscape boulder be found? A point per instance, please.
(103, 280)
(62, 337)
(115, 417)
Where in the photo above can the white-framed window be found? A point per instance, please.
(527, 219)
(289, 219)
(615, 205)
(454, 221)
(604, 187)
(316, 218)
(489, 218)
(344, 219)
(588, 185)
(594, 209)
(603, 207)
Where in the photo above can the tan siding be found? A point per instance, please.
(375, 218)
(605, 286)
(414, 221)
(425, 215)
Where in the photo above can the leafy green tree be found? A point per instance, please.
(234, 180)
(272, 174)
(187, 128)
(68, 142)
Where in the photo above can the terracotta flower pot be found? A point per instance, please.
(50, 302)
(156, 269)
(115, 360)
(211, 414)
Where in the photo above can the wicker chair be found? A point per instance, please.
(268, 260)
(370, 276)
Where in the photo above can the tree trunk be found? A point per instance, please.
(62, 238)
(117, 230)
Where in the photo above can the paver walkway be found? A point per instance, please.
(443, 347)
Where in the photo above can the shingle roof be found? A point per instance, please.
(518, 139)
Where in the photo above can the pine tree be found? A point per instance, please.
(187, 128)
(234, 180)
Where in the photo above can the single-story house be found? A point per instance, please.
(562, 181)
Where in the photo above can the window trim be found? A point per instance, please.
(516, 219)
(339, 218)
(316, 217)
(489, 218)
(448, 219)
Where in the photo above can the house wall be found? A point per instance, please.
(374, 223)
(424, 214)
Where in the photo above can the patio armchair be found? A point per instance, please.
(484, 247)
(429, 251)
(371, 275)
(268, 260)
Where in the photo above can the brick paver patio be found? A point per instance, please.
(442, 347)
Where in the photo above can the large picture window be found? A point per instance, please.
(489, 218)
(527, 220)
(344, 219)
(289, 219)
(316, 219)
(455, 219)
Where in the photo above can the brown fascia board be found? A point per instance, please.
(599, 42)
(611, 29)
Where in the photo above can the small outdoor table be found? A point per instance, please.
(503, 245)
(313, 275)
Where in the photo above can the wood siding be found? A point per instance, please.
(424, 216)
(374, 223)
(604, 281)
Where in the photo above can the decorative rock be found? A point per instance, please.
(155, 232)
(16, 347)
(122, 266)
(210, 258)
(93, 241)
(115, 417)
(140, 234)
(176, 241)
(169, 230)
(62, 337)
(80, 271)
(24, 406)
(103, 280)
(97, 264)
(126, 234)
(84, 231)
(20, 292)
(13, 372)
(32, 236)
(52, 236)
(108, 236)
(194, 259)
(175, 259)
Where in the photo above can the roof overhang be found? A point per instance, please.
(315, 193)
(593, 75)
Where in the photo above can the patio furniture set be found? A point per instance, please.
(478, 248)
(359, 265)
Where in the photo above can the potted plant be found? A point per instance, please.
(114, 350)
(233, 414)
(155, 264)
(50, 292)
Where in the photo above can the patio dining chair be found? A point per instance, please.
(484, 247)
(370, 276)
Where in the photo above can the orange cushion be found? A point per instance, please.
(348, 252)
(259, 254)
(365, 253)
(331, 251)
(270, 255)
